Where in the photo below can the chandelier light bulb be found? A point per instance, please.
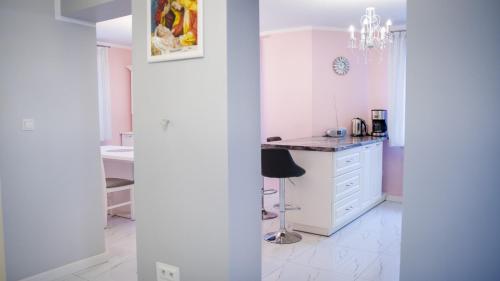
(351, 31)
(388, 25)
(370, 11)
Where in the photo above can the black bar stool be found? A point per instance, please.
(267, 215)
(278, 163)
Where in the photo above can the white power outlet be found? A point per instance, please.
(166, 272)
(28, 124)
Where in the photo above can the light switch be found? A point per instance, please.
(166, 272)
(28, 124)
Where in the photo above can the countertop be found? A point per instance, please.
(326, 144)
(123, 153)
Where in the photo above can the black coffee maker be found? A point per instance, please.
(379, 122)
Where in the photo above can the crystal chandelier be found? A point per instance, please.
(372, 34)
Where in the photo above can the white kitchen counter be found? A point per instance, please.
(114, 152)
(343, 180)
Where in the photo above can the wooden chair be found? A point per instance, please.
(112, 185)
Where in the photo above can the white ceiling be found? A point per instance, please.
(116, 31)
(282, 14)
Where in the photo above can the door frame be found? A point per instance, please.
(2, 248)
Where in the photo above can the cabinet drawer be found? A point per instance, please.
(347, 207)
(347, 184)
(347, 162)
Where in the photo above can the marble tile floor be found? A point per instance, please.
(122, 264)
(368, 249)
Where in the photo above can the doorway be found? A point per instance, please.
(115, 70)
(302, 96)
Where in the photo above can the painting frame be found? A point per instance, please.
(182, 53)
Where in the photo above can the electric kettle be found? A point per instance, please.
(359, 127)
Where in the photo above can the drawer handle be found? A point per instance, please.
(348, 185)
(348, 161)
(350, 208)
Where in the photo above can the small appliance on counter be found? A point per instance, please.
(336, 133)
(379, 122)
(359, 128)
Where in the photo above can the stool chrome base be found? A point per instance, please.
(283, 237)
(266, 215)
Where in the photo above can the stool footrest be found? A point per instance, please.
(288, 207)
(119, 205)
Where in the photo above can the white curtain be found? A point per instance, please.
(397, 90)
(104, 96)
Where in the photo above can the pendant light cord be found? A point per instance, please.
(336, 111)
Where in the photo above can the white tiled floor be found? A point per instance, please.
(122, 265)
(366, 250)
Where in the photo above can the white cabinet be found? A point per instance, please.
(376, 172)
(371, 158)
(337, 188)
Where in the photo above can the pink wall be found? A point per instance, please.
(392, 179)
(298, 84)
(286, 87)
(287, 83)
(121, 117)
(350, 91)
(298, 88)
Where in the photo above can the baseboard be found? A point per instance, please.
(394, 198)
(69, 268)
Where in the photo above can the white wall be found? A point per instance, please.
(452, 155)
(243, 125)
(197, 184)
(50, 177)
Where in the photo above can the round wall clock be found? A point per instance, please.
(341, 65)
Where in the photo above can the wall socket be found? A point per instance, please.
(167, 272)
(28, 124)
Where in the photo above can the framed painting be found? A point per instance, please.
(175, 29)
